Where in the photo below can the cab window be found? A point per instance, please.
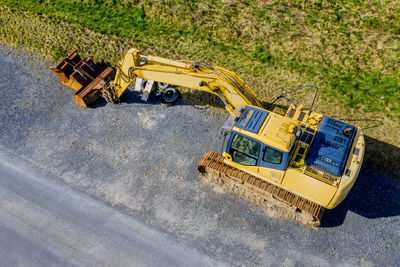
(245, 151)
(272, 156)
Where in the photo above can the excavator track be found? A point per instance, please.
(263, 193)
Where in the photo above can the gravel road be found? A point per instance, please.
(140, 158)
(45, 223)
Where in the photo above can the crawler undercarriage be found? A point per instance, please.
(276, 200)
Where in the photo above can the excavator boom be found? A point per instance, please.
(228, 86)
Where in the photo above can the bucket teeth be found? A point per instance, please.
(214, 163)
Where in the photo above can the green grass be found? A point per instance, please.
(349, 49)
(325, 42)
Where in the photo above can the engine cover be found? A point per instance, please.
(331, 146)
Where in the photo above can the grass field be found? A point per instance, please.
(349, 49)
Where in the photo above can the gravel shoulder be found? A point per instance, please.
(46, 223)
(141, 158)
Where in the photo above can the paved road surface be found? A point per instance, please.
(43, 222)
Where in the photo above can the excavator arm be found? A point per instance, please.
(228, 86)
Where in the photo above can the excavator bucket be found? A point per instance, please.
(92, 91)
(84, 76)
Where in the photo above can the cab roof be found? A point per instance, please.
(270, 128)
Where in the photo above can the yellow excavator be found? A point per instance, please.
(295, 156)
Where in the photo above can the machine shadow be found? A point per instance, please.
(199, 100)
(131, 97)
(375, 194)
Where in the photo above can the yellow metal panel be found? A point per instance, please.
(249, 169)
(271, 174)
(169, 62)
(308, 187)
(277, 131)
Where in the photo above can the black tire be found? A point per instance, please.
(169, 96)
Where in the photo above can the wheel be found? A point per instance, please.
(163, 86)
(169, 96)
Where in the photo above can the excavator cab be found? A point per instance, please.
(320, 160)
(253, 147)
